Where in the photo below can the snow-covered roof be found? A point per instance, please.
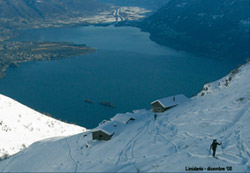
(171, 101)
(123, 118)
(108, 127)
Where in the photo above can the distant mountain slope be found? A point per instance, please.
(176, 141)
(46, 9)
(20, 126)
(26, 14)
(213, 28)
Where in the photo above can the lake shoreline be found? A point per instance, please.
(13, 53)
(128, 70)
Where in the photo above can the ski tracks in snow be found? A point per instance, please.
(243, 153)
(129, 147)
(233, 122)
(158, 133)
(70, 155)
(128, 152)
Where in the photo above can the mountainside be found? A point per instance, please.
(23, 14)
(46, 9)
(31, 12)
(21, 126)
(177, 140)
(212, 28)
(26, 14)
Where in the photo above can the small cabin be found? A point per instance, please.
(105, 131)
(101, 135)
(162, 105)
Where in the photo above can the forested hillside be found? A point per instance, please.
(212, 28)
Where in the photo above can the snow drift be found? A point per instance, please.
(177, 140)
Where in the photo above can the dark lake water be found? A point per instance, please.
(128, 69)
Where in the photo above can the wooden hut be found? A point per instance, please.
(101, 135)
(105, 131)
(162, 105)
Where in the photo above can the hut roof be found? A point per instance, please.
(108, 127)
(171, 101)
(123, 118)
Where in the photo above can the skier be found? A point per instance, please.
(155, 116)
(213, 146)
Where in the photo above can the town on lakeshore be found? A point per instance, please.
(14, 52)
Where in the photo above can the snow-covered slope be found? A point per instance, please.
(177, 140)
(21, 126)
